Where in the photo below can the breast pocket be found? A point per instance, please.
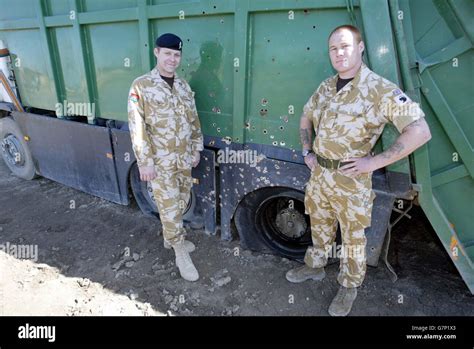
(346, 122)
(159, 121)
(188, 104)
(328, 118)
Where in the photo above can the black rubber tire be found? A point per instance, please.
(144, 201)
(255, 231)
(9, 128)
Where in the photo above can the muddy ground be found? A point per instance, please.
(100, 258)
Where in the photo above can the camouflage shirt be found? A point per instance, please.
(163, 121)
(349, 122)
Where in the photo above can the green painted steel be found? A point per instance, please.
(279, 87)
(208, 65)
(249, 87)
(440, 65)
(31, 71)
(253, 65)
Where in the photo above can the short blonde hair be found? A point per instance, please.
(354, 30)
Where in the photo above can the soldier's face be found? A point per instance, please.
(168, 60)
(345, 52)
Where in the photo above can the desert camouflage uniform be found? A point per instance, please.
(347, 125)
(165, 131)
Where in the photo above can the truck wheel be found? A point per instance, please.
(15, 151)
(144, 195)
(275, 218)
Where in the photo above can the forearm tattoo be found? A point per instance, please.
(396, 149)
(305, 136)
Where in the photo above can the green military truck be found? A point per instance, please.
(67, 65)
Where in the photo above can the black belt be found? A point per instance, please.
(330, 164)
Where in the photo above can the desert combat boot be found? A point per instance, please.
(184, 263)
(304, 273)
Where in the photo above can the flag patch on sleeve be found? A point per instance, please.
(134, 97)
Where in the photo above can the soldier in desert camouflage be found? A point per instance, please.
(166, 137)
(348, 113)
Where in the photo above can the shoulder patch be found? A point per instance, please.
(134, 97)
(397, 92)
(400, 97)
(403, 99)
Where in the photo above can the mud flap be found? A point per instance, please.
(205, 190)
(375, 234)
(71, 153)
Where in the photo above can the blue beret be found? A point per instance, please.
(169, 40)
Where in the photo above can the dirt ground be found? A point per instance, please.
(100, 258)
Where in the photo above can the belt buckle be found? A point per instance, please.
(327, 163)
(330, 164)
(342, 163)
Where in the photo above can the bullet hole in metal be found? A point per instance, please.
(273, 59)
(214, 124)
(218, 129)
(272, 136)
(268, 40)
(203, 12)
(146, 45)
(282, 128)
(211, 142)
(265, 132)
(247, 125)
(282, 144)
(275, 143)
(264, 102)
(307, 48)
(222, 21)
(263, 112)
(306, 11)
(188, 40)
(314, 27)
(236, 70)
(214, 6)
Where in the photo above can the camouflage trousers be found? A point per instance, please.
(331, 198)
(172, 191)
